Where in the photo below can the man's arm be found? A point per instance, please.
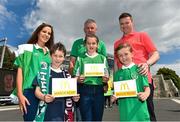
(154, 57)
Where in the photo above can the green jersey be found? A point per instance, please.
(30, 57)
(79, 49)
(131, 108)
(86, 59)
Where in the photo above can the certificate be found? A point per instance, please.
(94, 70)
(64, 87)
(126, 88)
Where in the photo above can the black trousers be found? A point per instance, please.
(150, 103)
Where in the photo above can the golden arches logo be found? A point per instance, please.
(124, 86)
(94, 68)
(65, 85)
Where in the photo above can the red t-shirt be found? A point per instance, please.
(142, 46)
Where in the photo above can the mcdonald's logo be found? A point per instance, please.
(65, 85)
(124, 86)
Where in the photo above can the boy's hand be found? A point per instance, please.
(48, 98)
(76, 98)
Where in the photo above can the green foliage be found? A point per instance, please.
(9, 58)
(170, 74)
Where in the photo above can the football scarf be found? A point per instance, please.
(43, 81)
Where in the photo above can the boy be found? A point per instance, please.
(131, 108)
(50, 108)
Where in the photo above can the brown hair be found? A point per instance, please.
(124, 15)
(34, 38)
(124, 45)
(58, 46)
(91, 36)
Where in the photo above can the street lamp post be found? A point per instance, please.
(3, 51)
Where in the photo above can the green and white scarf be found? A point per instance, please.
(43, 81)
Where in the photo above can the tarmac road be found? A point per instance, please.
(166, 110)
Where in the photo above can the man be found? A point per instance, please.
(79, 49)
(144, 51)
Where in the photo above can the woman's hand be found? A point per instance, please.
(23, 101)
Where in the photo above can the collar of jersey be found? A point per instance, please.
(126, 67)
(56, 70)
(38, 47)
(91, 56)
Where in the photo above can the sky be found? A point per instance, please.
(159, 18)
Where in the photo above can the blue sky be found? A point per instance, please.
(160, 19)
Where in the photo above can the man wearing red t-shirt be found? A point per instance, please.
(144, 51)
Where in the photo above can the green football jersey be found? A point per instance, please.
(131, 108)
(30, 58)
(79, 48)
(80, 64)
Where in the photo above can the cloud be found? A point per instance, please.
(173, 66)
(67, 17)
(5, 15)
(161, 20)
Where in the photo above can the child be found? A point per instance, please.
(131, 108)
(108, 94)
(91, 88)
(55, 109)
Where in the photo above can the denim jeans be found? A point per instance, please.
(32, 108)
(91, 102)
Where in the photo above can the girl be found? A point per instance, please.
(91, 88)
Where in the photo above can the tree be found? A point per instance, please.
(9, 58)
(170, 74)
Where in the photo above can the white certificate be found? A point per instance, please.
(64, 87)
(94, 70)
(126, 88)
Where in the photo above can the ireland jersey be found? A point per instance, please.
(30, 57)
(79, 48)
(80, 65)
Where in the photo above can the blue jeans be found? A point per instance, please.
(32, 108)
(91, 102)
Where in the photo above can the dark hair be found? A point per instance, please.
(123, 45)
(91, 36)
(124, 15)
(89, 21)
(58, 46)
(34, 37)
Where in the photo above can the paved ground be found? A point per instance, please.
(166, 110)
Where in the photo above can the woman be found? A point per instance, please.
(30, 59)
